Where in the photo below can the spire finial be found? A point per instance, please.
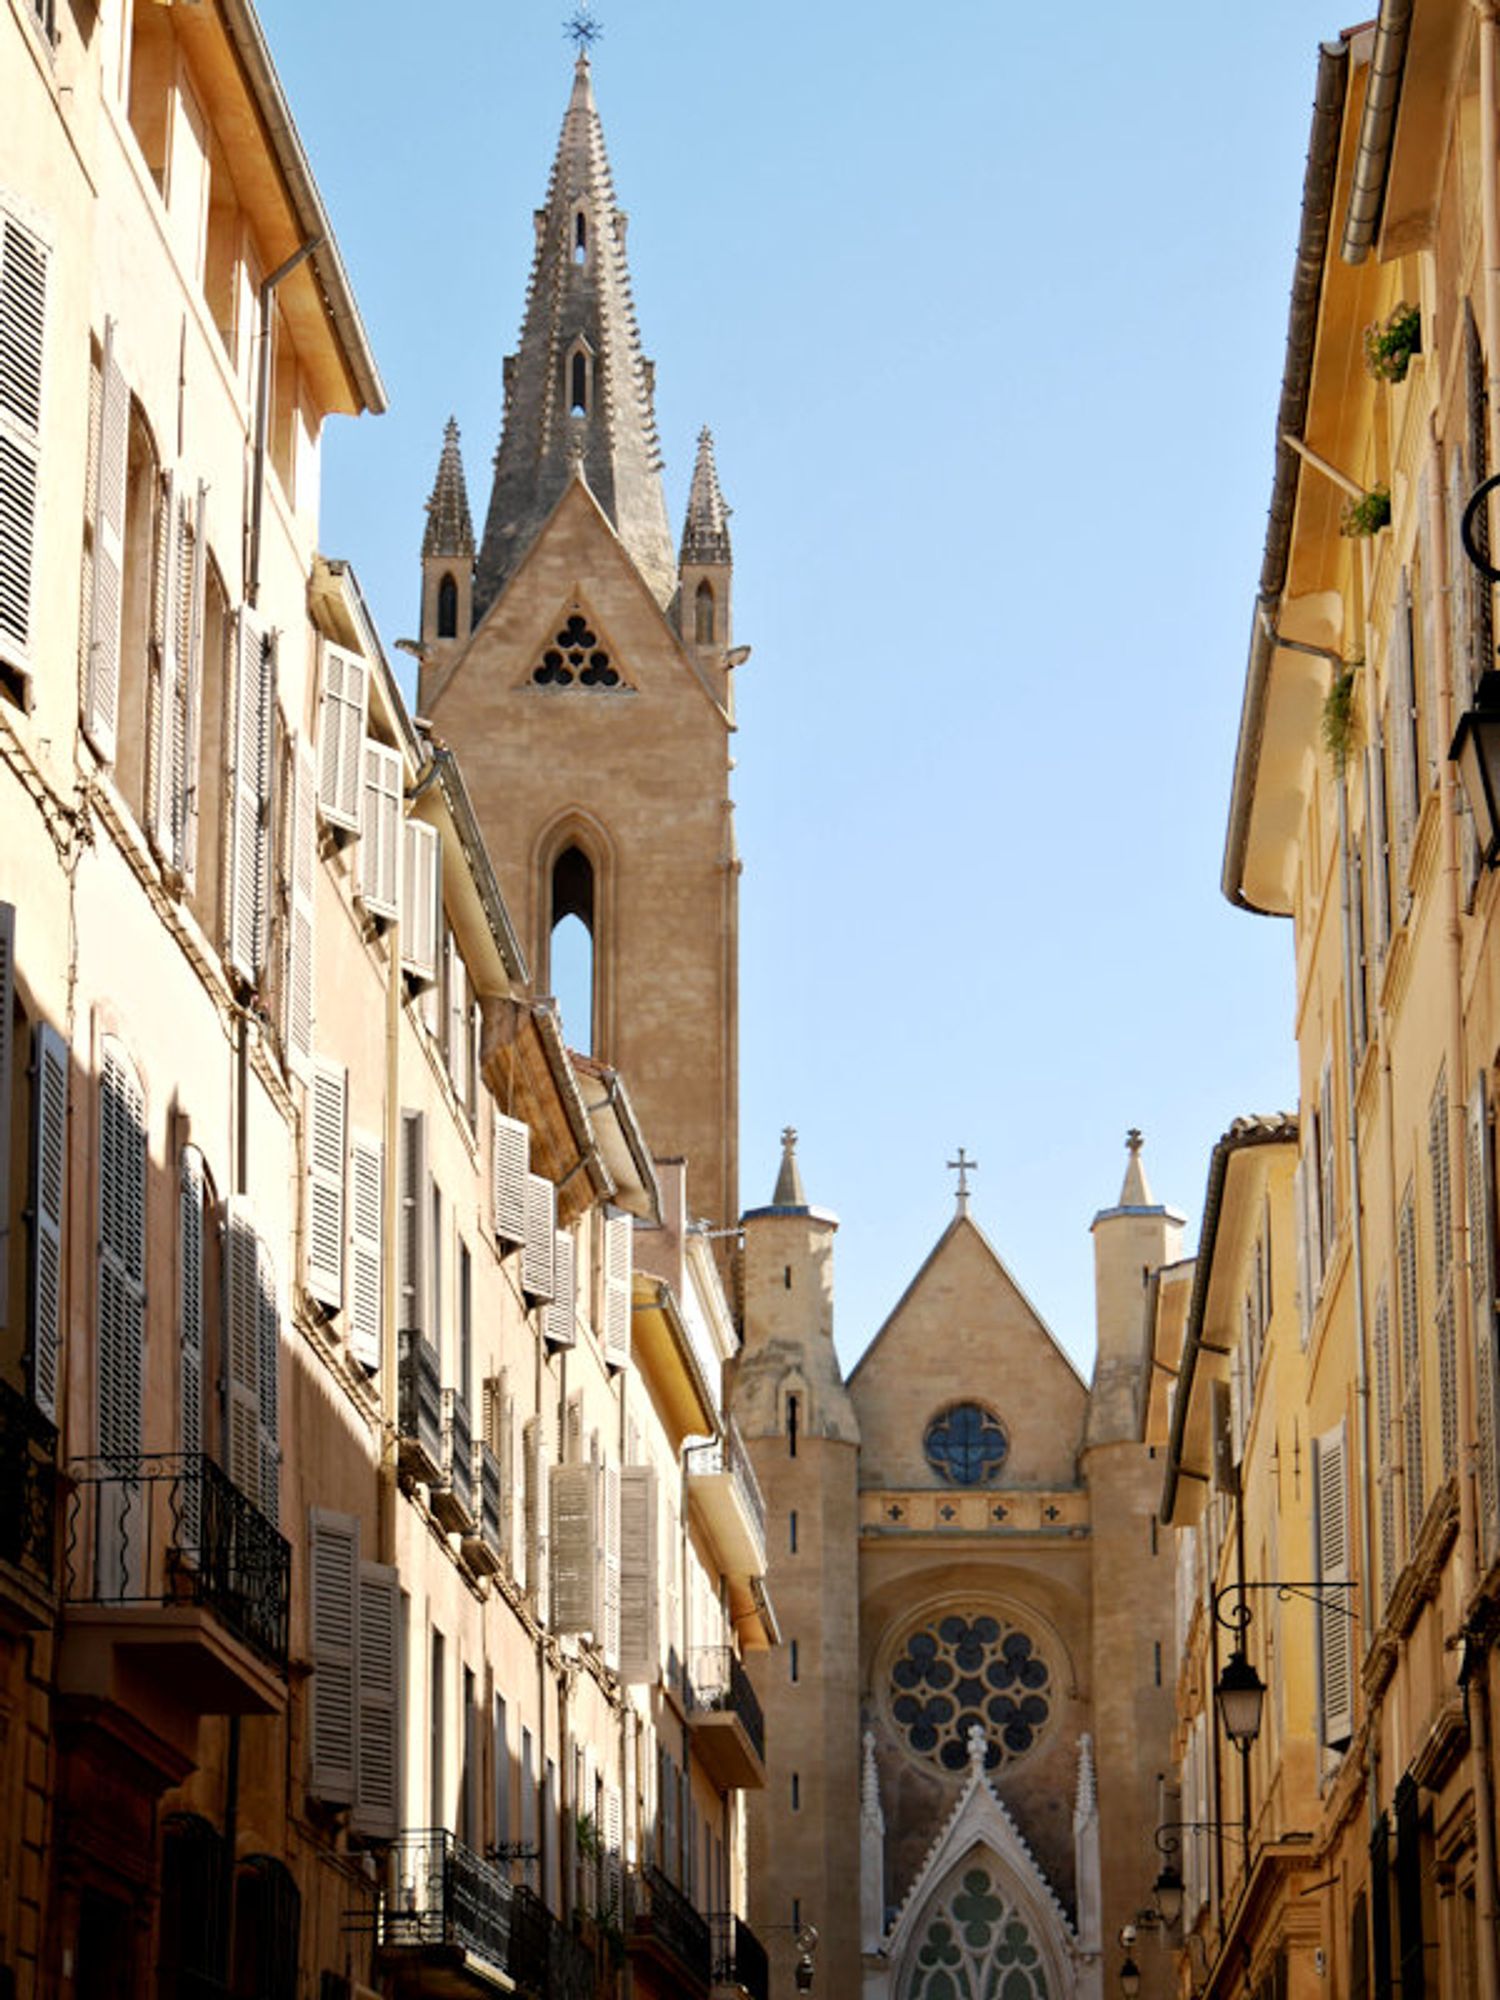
(789, 1192)
(963, 1166)
(978, 1747)
(583, 30)
(1136, 1193)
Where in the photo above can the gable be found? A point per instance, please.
(965, 1332)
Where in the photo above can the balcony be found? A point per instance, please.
(547, 1960)
(28, 1512)
(729, 1730)
(663, 1926)
(741, 1969)
(173, 1574)
(445, 1920)
(484, 1547)
(453, 1496)
(419, 1410)
(722, 1484)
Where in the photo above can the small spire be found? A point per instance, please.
(450, 529)
(869, 1786)
(1086, 1794)
(1136, 1191)
(789, 1192)
(705, 532)
(963, 1166)
(978, 1748)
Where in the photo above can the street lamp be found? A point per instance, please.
(1476, 751)
(1167, 1893)
(1130, 1978)
(1239, 1696)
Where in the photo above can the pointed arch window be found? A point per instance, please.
(447, 607)
(976, 1943)
(580, 238)
(572, 952)
(704, 619)
(578, 383)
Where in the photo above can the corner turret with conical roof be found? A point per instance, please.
(447, 556)
(578, 390)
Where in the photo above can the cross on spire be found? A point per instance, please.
(582, 29)
(1133, 1140)
(963, 1166)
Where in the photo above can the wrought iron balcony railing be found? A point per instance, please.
(721, 1685)
(484, 1547)
(739, 1956)
(28, 1490)
(441, 1892)
(546, 1959)
(419, 1408)
(453, 1497)
(174, 1529)
(659, 1910)
(728, 1455)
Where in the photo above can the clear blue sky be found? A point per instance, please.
(985, 305)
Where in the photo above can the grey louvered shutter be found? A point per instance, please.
(190, 1191)
(334, 1606)
(498, 1416)
(1427, 574)
(366, 1252)
(1403, 734)
(1411, 1369)
(639, 1608)
(299, 985)
(327, 1146)
(1385, 1447)
(23, 327)
(609, 1636)
(619, 1243)
(1304, 1253)
(421, 901)
(242, 1348)
(1480, 1199)
(49, 1161)
(576, 1531)
(122, 1258)
(101, 680)
(1379, 848)
(560, 1320)
(510, 1162)
(536, 1471)
(1335, 1627)
(7, 1071)
(1328, 1216)
(377, 865)
(249, 799)
(1444, 1313)
(414, 1224)
(537, 1252)
(1460, 595)
(341, 736)
(378, 1759)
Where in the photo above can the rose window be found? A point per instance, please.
(575, 657)
(960, 1674)
(966, 1445)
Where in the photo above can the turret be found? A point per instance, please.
(705, 563)
(447, 559)
(1131, 1240)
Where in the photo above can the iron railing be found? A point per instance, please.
(174, 1529)
(546, 1958)
(441, 1892)
(728, 1454)
(660, 1910)
(453, 1498)
(28, 1489)
(485, 1547)
(739, 1956)
(419, 1407)
(721, 1685)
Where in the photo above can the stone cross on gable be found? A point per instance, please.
(963, 1166)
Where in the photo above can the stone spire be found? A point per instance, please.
(789, 1191)
(871, 1850)
(1136, 1190)
(450, 528)
(578, 390)
(705, 532)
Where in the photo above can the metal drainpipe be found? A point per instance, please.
(263, 410)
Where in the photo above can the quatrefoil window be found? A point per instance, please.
(959, 1674)
(966, 1445)
(575, 658)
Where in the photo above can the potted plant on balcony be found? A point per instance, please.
(1367, 515)
(1390, 343)
(1340, 722)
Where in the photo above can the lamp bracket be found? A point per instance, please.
(1477, 499)
(1239, 1615)
(1166, 1835)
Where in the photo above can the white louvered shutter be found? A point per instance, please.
(190, 1189)
(101, 680)
(366, 1240)
(1335, 1627)
(299, 984)
(510, 1162)
(609, 1637)
(242, 1346)
(415, 1224)
(268, 1327)
(333, 1573)
(1427, 572)
(1328, 1218)
(498, 1418)
(1411, 1369)
(537, 1467)
(619, 1239)
(377, 865)
(249, 796)
(421, 901)
(341, 736)
(577, 1535)
(541, 1231)
(1480, 1198)
(161, 772)
(455, 1012)
(378, 1760)
(122, 1257)
(49, 1157)
(560, 1321)
(187, 743)
(1385, 1443)
(327, 1145)
(1403, 734)
(639, 1612)
(1444, 1308)
(1379, 849)
(1304, 1259)
(23, 327)
(613, 1885)
(7, 1071)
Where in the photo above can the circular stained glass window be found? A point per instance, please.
(966, 1445)
(958, 1674)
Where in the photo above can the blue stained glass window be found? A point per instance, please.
(966, 1444)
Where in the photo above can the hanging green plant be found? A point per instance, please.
(1390, 343)
(1368, 514)
(1339, 719)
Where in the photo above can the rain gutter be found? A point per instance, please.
(1377, 130)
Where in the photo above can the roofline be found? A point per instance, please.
(1291, 416)
(456, 797)
(243, 28)
(1377, 130)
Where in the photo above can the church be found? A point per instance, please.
(969, 1715)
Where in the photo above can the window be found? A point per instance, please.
(966, 1445)
(447, 607)
(153, 67)
(580, 238)
(959, 1673)
(267, 1930)
(576, 657)
(578, 376)
(436, 1721)
(122, 1256)
(792, 1532)
(703, 613)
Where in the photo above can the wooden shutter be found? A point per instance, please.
(1335, 1627)
(1480, 1202)
(577, 1535)
(242, 1352)
(498, 1418)
(1460, 593)
(366, 1249)
(609, 1636)
(268, 1329)
(101, 681)
(187, 745)
(1304, 1258)
(1444, 1313)
(247, 914)
(536, 1470)
(299, 984)
(510, 1162)
(377, 865)
(541, 1231)
(1385, 1442)
(327, 1137)
(7, 1083)
(560, 1321)
(49, 1158)
(619, 1240)
(455, 1014)
(639, 1610)
(421, 901)
(1379, 848)
(1428, 584)
(1328, 1217)
(1411, 1368)
(1476, 412)
(122, 1257)
(23, 325)
(613, 1885)
(334, 1607)
(377, 1761)
(1403, 733)
(415, 1224)
(163, 690)
(341, 736)
(190, 1192)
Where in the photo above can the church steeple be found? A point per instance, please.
(447, 557)
(578, 390)
(450, 527)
